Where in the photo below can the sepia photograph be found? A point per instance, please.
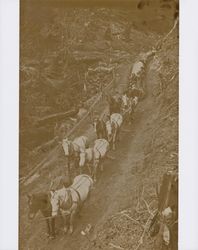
(98, 124)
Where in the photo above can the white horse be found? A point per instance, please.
(86, 158)
(94, 157)
(72, 149)
(113, 128)
(68, 201)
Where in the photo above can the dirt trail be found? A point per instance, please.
(116, 185)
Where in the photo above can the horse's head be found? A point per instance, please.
(66, 146)
(33, 205)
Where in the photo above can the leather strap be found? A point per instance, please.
(77, 195)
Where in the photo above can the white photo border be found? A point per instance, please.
(9, 124)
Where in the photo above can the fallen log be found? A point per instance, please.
(55, 117)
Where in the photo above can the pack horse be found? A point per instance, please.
(41, 202)
(94, 157)
(69, 201)
(113, 128)
(72, 150)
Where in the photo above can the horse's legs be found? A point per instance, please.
(118, 134)
(131, 116)
(89, 168)
(52, 225)
(114, 138)
(66, 223)
(101, 165)
(48, 227)
(68, 170)
(71, 222)
(95, 171)
(114, 145)
(76, 163)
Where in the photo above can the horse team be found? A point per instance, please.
(67, 200)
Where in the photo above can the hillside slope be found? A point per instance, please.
(59, 45)
(147, 149)
(152, 151)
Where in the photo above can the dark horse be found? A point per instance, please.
(114, 105)
(100, 128)
(41, 201)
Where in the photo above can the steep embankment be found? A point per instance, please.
(151, 150)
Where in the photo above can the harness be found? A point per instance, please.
(70, 201)
(83, 141)
(100, 156)
(76, 191)
(116, 123)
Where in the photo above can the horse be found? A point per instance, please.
(99, 127)
(137, 74)
(127, 107)
(100, 149)
(86, 158)
(94, 157)
(41, 202)
(113, 128)
(68, 201)
(134, 91)
(72, 149)
(114, 105)
(129, 103)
